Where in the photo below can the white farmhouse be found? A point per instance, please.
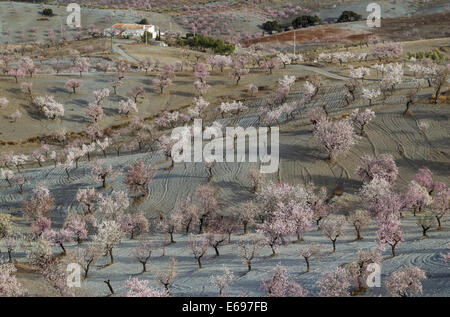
(132, 30)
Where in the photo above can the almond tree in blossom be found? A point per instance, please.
(28, 65)
(39, 226)
(199, 247)
(333, 227)
(300, 214)
(271, 63)
(166, 275)
(276, 230)
(134, 224)
(20, 180)
(379, 199)
(87, 198)
(389, 231)
(382, 166)
(315, 114)
(9, 286)
(216, 237)
(335, 284)
(76, 225)
(248, 249)
(426, 222)
(16, 73)
(58, 237)
(161, 83)
(147, 64)
(139, 288)
(405, 282)
(359, 219)
(312, 250)
(116, 84)
(138, 177)
(424, 177)
(50, 107)
(11, 243)
(101, 173)
(246, 214)
(387, 50)
(171, 224)
(238, 69)
(280, 285)
(189, 212)
(206, 196)
(439, 79)
(417, 197)
(197, 110)
(358, 268)
(142, 253)
(222, 282)
(165, 144)
(441, 205)
(7, 175)
(108, 236)
(27, 89)
(112, 206)
(38, 157)
(40, 204)
(135, 93)
(122, 68)
(86, 257)
(72, 84)
(336, 137)
(127, 106)
(81, 65)
(370, 94)
(361, 119)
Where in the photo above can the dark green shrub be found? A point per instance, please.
(305, 21)
(47, 12)
(271, 26)
(349, 16)
(205, 42)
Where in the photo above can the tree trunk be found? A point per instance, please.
(87, 269)
(393, 249)
(334, 245)
(216, 248)
(108, 283)
(111, 256)
(439, 223)
(199, 263)
(200, 230)
(438, 92)
(188, 225)
(307, 264)
(273, 250)
(358, 234)
(64, 249)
